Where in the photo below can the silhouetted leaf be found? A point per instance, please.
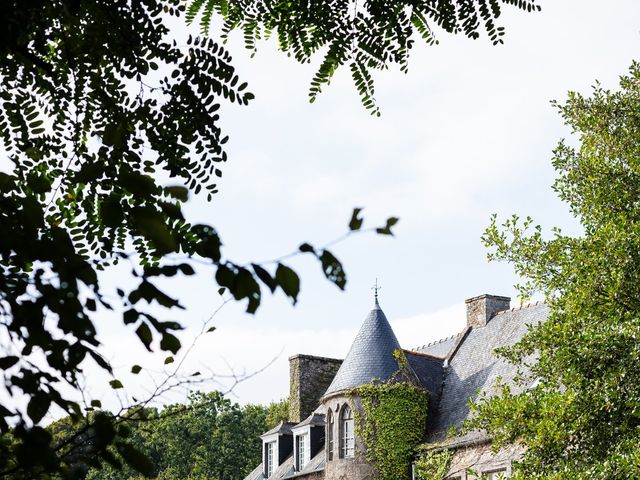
(265, 276)
(288, 281)
(170, 343)
(116, 384)
(356, 222)
(386, 230)
(38, 406)
(144, 334)
(8, 362)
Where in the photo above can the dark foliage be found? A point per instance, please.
(365, 35)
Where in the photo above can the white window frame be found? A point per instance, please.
(302, 450)
(347, 433)
(270, 457)
(330, 435)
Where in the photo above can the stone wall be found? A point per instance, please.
(356, 468)
(481, 459)
(309, 378)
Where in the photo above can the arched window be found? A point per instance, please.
(347, 439)
(330, 425)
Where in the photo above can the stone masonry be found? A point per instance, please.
(309, 378)
(482, 308)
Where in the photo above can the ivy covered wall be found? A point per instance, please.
(391, 422)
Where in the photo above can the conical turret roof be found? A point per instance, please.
(371, 354)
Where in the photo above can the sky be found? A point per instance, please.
(467, 133)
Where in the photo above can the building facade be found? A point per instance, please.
(320, 440)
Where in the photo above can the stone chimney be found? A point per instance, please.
(309, 378)
(482, 308)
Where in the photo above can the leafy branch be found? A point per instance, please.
(365, 35)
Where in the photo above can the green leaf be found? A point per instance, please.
(136, 369)
(38, 406)
(178, 192)
(288, 281)
(333, 270)
(265, 276)
(130, 316)
(96, 403)
(356, 222)
(155, 230)
(168, 360)
(306, 248)
(386, 230)
(8, 362)
(111, 211)
(186, 269)
(144, 334)
(170, 343)
(116, 384)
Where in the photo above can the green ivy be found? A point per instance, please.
(391, 423)
(433, 465)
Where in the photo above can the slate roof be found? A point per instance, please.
(316, 464)
(429, 372)
(474, 369)
(283, 428)
(439, 348)
(370, 356)
(314, 420)
(287, 470)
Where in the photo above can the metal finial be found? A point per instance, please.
(376, 288)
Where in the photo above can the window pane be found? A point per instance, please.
(270, 458)
(301, 457)
(330, 436)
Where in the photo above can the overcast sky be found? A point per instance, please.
(468, 132)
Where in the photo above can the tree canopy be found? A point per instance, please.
(208, 438)
(578, 410)
(366, 36)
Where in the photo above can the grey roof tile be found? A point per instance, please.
(315, 420)
(429, 372)
(283, 428)
(370, 356)
(256, 474)
(316, 464)
(474, 369)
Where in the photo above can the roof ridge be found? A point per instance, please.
(435, 342)
(421, 354)
(521, 307)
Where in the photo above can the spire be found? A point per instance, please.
(376, 288)
(371, 354)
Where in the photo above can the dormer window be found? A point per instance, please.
(269, 458)
(347, 437)
(302, 451)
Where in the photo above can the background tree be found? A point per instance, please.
(210, 438)
(578, 410)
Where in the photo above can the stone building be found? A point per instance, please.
(320, 442)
